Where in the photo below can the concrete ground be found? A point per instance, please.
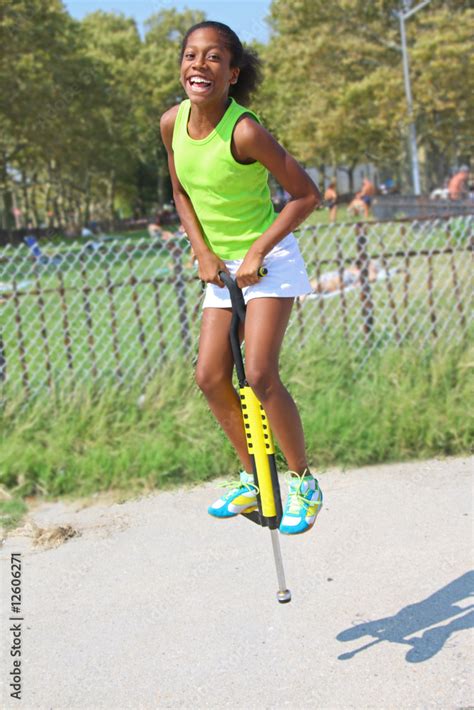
(153, 604)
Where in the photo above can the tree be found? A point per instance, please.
(443, 80)
(43, 77)
(79, 110)
(113, 43)
(338, 66)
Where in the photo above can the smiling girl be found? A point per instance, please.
(219, 157)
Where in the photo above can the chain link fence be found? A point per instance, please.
(113, 311)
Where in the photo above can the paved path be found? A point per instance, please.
(144, 611)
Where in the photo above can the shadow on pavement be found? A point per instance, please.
(418, 617)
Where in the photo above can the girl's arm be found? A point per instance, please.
(252, 142)
(209, 263)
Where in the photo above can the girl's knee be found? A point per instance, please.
(208, 380)
(262, 380)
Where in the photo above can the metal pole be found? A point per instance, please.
(3, 362)
(411, 126)
(283, 594)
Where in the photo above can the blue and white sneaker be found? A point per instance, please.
(305, 500)
(240, 499)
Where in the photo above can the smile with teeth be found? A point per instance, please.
(199, 83)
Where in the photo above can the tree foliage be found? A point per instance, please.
(80, 101)
(334, 80)
(79, 110)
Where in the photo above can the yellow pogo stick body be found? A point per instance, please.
(257, 430)
(260, 446)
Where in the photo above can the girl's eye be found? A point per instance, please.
(214, 56)
(188, 55)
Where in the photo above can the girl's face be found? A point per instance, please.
(206, 73)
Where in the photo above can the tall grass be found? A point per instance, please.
(402, 405)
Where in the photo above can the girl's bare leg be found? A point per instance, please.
(214, 377)
(265, 325)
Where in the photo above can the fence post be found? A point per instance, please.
(113, 323)
(44, 331)
(299, 316)
(159, 318)
(86, 290)
(317, 262)
(67, 339)
(21, 339)
(133, 281)
(3, 361)
(431, 301)
(457, 292)
(340, 268)
(362, 264)
(388, 281)
(180, 288)
(407, 276)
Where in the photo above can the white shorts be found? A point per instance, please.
(286, 277)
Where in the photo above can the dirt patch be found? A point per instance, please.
(48, 537)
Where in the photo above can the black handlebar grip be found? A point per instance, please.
(262, 271)
(236, 295)
(227, 280)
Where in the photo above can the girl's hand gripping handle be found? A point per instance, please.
(236, 295)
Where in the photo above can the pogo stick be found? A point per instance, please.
(259, 441)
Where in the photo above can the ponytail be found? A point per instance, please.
(250, 76)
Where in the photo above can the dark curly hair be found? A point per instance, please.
(245, 59)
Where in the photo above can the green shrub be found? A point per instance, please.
(402, 404)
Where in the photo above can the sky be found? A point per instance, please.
(246, 17)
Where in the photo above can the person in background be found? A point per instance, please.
(156, 230)
(333, 281)
(367, 195)
(458, 185)
(356, 207)
(388, 186)
(330, 198)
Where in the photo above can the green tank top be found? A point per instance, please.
(232, 201)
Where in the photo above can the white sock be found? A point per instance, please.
(246, 477)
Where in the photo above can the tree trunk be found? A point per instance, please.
(16, 210)
(34, 201)
(111, 199)
(59, 207)
(350, 175)
(7, 206)
(437, 167)
(322, 176)
(26, 197)
(164, 190)
(87, 200)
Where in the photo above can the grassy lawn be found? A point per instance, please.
(116, 315)
(407, 405)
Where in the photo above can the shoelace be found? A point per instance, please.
(297, 498)
(233, 485)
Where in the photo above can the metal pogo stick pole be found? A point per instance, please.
(283, 594)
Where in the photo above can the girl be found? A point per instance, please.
(219, 157)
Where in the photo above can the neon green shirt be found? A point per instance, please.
(231, 200)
